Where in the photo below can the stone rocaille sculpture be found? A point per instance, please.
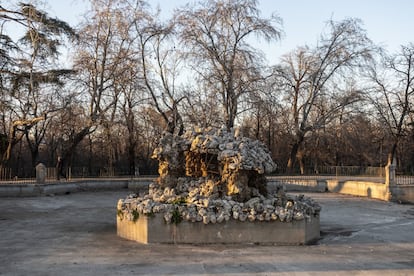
(212, 176)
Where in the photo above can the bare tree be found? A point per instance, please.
(201, 109)
(393, 93)
(99, 59)
(160, 63)
(131, 99)
(216, 32)
(312, 79)
(34, 75)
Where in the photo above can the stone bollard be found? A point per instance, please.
(390, 179)
(41, 172)
(390, 173)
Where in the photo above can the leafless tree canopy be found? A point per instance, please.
(393, 100)
(311, 78)
(216, 34)
(130, 74)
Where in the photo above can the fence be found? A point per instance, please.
(352, 171)
(334, 171)
(404, 180)
(7, 175)
(325, 172)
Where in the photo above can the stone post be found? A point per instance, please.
(390, 177)
(390, 173)
(41, 172)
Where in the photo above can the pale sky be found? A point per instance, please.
(388, 22)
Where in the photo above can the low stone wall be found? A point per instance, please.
(27, 189)
(153, 229)
(13, 190)
(359, 188)
(363, 188)
(398, 193)
(297, 185)
(402, 193)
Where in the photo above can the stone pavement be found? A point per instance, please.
(75, 234)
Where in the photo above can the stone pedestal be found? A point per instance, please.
(41, 173)
(215, 177)
(153, 229)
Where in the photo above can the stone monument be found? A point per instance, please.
(212, 182)
(41, 172)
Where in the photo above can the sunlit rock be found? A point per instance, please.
(213, 176)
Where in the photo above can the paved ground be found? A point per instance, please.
(75, 234)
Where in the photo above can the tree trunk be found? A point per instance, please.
(131, 156)
(393, 153)
(68, 152)
(292, 158)
(294, 154)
